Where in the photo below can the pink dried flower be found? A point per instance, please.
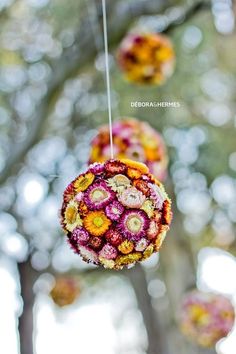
(108, 252)
(98, 195)
(114, 210)
(133, 224)
(132, 198)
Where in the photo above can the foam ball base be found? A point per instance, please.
(206, 318)
(115, 214)
(135, 140)
(147, 58)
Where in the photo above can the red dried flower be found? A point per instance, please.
(113, 167)
(142, 186)
(96, 242)
(69, 193)
(114, 237)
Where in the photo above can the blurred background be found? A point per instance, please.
(52, 99)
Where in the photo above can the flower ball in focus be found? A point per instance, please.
(115, 214)
(146, 58)
(135, 140)
(64, 291)
(206, 318)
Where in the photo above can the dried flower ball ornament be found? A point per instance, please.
(206, 318)
(135, 140)
(65, 291)
(147, 58)
(116, 214)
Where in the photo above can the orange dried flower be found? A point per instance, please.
(96, 223)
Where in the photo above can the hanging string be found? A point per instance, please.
(107, 74)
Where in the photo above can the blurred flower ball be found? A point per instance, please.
(206, 318)
(146, 58)
(115, 214)
(132, 139)
(64, 291)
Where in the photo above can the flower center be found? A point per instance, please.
(134, 224)
(98, 195)
(135, 155)
(98, 221)
(71, 213)
(199, 315)
(115, 211)
(83, 182)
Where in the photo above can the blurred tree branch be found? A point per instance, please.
(187, 13)
(121, 15)
(78, 55)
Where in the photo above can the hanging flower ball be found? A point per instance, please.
(146, 58)
(135, 140)
(206, 318)
(64, 291)
(115, 214)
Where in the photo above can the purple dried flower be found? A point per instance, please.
(96, 168)
(133, 224)
(80, 236)
(114, 210)
(98, 195)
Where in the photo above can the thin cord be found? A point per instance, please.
(107, 74)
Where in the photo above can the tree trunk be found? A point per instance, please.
(27, 279)
(137, 278)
